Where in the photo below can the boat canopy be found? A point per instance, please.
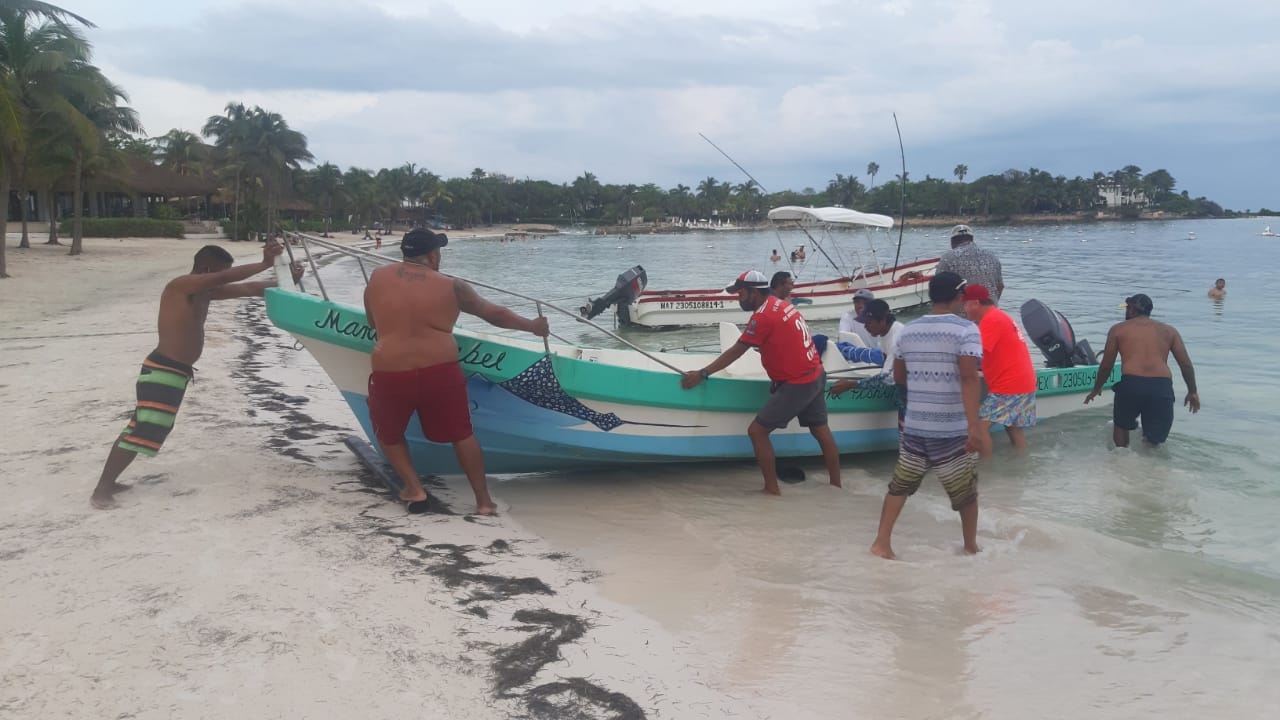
(831, 215)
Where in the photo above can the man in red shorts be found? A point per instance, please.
(1006, 367)
(789, 357)
(413, 308)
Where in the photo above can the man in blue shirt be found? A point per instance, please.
(937, 358)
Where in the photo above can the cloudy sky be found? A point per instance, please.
(795, 90)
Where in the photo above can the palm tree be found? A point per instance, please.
(231, 136)
(42, 10)
(960, 172)
(872, 169)
(35, 62)
(276, 151)
(101, 116)
(182, 152)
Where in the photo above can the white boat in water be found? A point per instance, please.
(903, 286)
(1267, 232)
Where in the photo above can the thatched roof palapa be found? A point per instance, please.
(139, 175)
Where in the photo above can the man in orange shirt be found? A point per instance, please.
(1006, 366)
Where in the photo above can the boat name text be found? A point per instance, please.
(351, 328)
(486, 360)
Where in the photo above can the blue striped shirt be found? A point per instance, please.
(931, 347)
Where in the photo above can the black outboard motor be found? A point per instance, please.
(628, 287)
(1051, 332)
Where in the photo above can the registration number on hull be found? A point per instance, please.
(692, 305)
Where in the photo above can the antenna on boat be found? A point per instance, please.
(735, 164)
(902, 222)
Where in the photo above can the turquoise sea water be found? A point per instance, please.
(1112, 583)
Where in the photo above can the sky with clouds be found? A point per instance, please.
(796, 91)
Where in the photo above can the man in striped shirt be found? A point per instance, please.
(937, 358)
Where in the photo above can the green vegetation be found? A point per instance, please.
(131, 227)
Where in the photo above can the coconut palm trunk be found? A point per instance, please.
(23, 199)
(77, 207)
(4, 220)
(51, 207)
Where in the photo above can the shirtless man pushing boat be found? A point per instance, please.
(184, 306)
(413, 308)
(1146, 387)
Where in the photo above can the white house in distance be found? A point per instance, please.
(1115, 195)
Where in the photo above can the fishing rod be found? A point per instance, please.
(903, 211)
(735, 163)
(762, 189)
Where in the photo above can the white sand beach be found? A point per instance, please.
(254, 571)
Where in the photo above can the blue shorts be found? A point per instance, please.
(1149, 398)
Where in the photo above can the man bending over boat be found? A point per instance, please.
(184, 305)
(788, 355)
(413, 308)
(1146, 388)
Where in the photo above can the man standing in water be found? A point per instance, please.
(1146, 388)
(184, 306)
(937, 359)
(789, 357)
(413, 308)
(977, 265)
(1219, 289)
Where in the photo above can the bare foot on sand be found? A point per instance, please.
(486, 509)
(104, 498)
(774, 490)
(102, 501)
(883, 551)
(972, 549)
(836, 483)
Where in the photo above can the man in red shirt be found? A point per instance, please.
(789, 357)
(1006, 366)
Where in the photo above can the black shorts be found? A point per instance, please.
(807, 401)
(1150, 398)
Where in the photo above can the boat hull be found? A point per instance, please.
(582, 408)
(825, 300)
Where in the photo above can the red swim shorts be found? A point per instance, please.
(438, 393)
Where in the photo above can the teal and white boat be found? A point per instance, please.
(540, 406)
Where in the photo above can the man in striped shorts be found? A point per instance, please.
(184, 305)
(937, 358)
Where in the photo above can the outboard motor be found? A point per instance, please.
(628, 287)
(1051, 332)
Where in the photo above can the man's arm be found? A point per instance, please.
(252, 289)
(999, 278)
(693, 377)
(200, 282)
(899, 371)
(1188, 372)
(1104, 367)
(470, 302)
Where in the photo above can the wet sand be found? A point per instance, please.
(255, 569)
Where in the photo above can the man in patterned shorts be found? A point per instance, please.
(1006, 366)
(937, 359)
(162, 383)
